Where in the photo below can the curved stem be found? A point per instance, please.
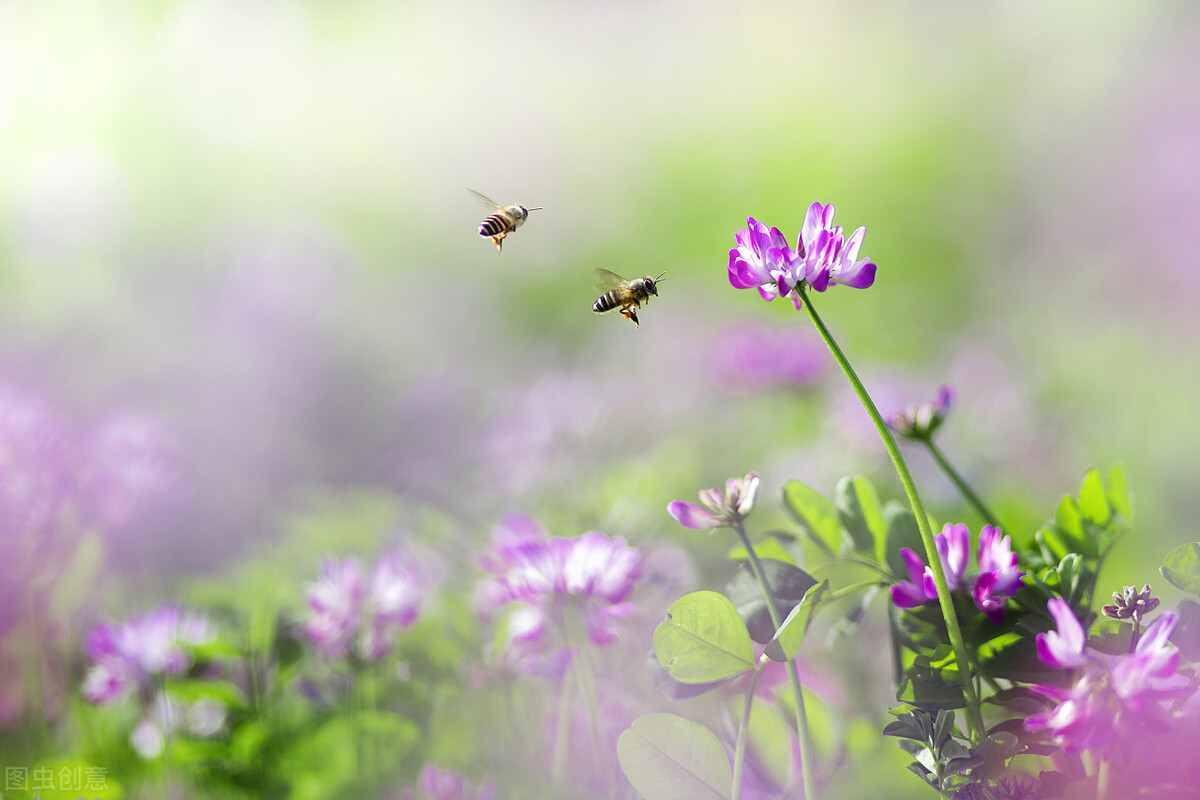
(739, 752)
(807, 763)
(974, 717)
(965, 488)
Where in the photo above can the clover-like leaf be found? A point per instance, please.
(1093, 502)
(788, 586)
(858, 510)
(703, 639)
(787, 640)
(1182, 567)
(816, 515)
(901, 532)
(667, 757)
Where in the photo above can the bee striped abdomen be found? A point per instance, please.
(606, 302)
(495, 225)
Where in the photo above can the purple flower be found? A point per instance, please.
(130, 461)
(718, 510)
(128, 655)
(998, 578)
(828, 258)
(823, 257)
(1115, 697)
(1063, 647)
(348, 609)
(919, 589)
(920, 421)
(762, 260)
(535, 578)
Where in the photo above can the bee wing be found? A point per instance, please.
(487, 201)
(607, 279)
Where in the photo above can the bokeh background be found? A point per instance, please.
(240, 280)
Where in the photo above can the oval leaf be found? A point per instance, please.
(787, 640)
(858, 511)
(667, 757)
(901, 532)
(1093, 502)
(703, 639)
(816, 515)
(1118, 492)
(788, 586)
(1182, 568)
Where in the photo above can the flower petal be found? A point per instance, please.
(690, 515)
(1062, 648)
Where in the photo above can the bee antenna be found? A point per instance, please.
(538, 208)
(661, 277)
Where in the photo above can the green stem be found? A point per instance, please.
(846, 591)
(965, 488)
(807, 763)
(739, 752)
(974, 717)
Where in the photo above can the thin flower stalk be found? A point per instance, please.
(969, 494)
(807, 762)
(974, 717)
(739, 752)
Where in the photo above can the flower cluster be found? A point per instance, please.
(718, 510)
(823, 256)
(999, 577)
(539, 579)
(129, 656)
(1130, 603)
(350, 610)
(920, 421)
(1114, 696)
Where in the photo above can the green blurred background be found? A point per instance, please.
(250, 220)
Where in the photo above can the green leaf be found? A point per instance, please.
(901, 532)
(858, 511)
(924, 687)
(788, 586)
(816, 515)
(667, 757)
(787, 640)
(1118, 492)
(1070, 576)
(703, 639)
(1068, 519)
(1182, 568)
(767, 548)
(190, 691)
(214, 650)
(1093, 503)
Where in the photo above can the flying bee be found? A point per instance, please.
(503, 221)
(628, 295)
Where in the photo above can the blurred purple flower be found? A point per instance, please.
(348, 609)
(542, 576)
(129, 463)
(920, 421)
(998, 578)
(1114, 697)
(718, 510)
(127, 656)
(435, 783)
(756, 357)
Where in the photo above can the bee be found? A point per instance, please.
(628, 295)
(503, 221)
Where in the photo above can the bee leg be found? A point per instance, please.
(629, 313)
(499, 242)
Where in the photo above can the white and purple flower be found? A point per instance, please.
(999, 577)
(541, 580)
(823, 256)
(717, 510)
(350, 610)
(129, 655)
(1114, 696)
(921, 420)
